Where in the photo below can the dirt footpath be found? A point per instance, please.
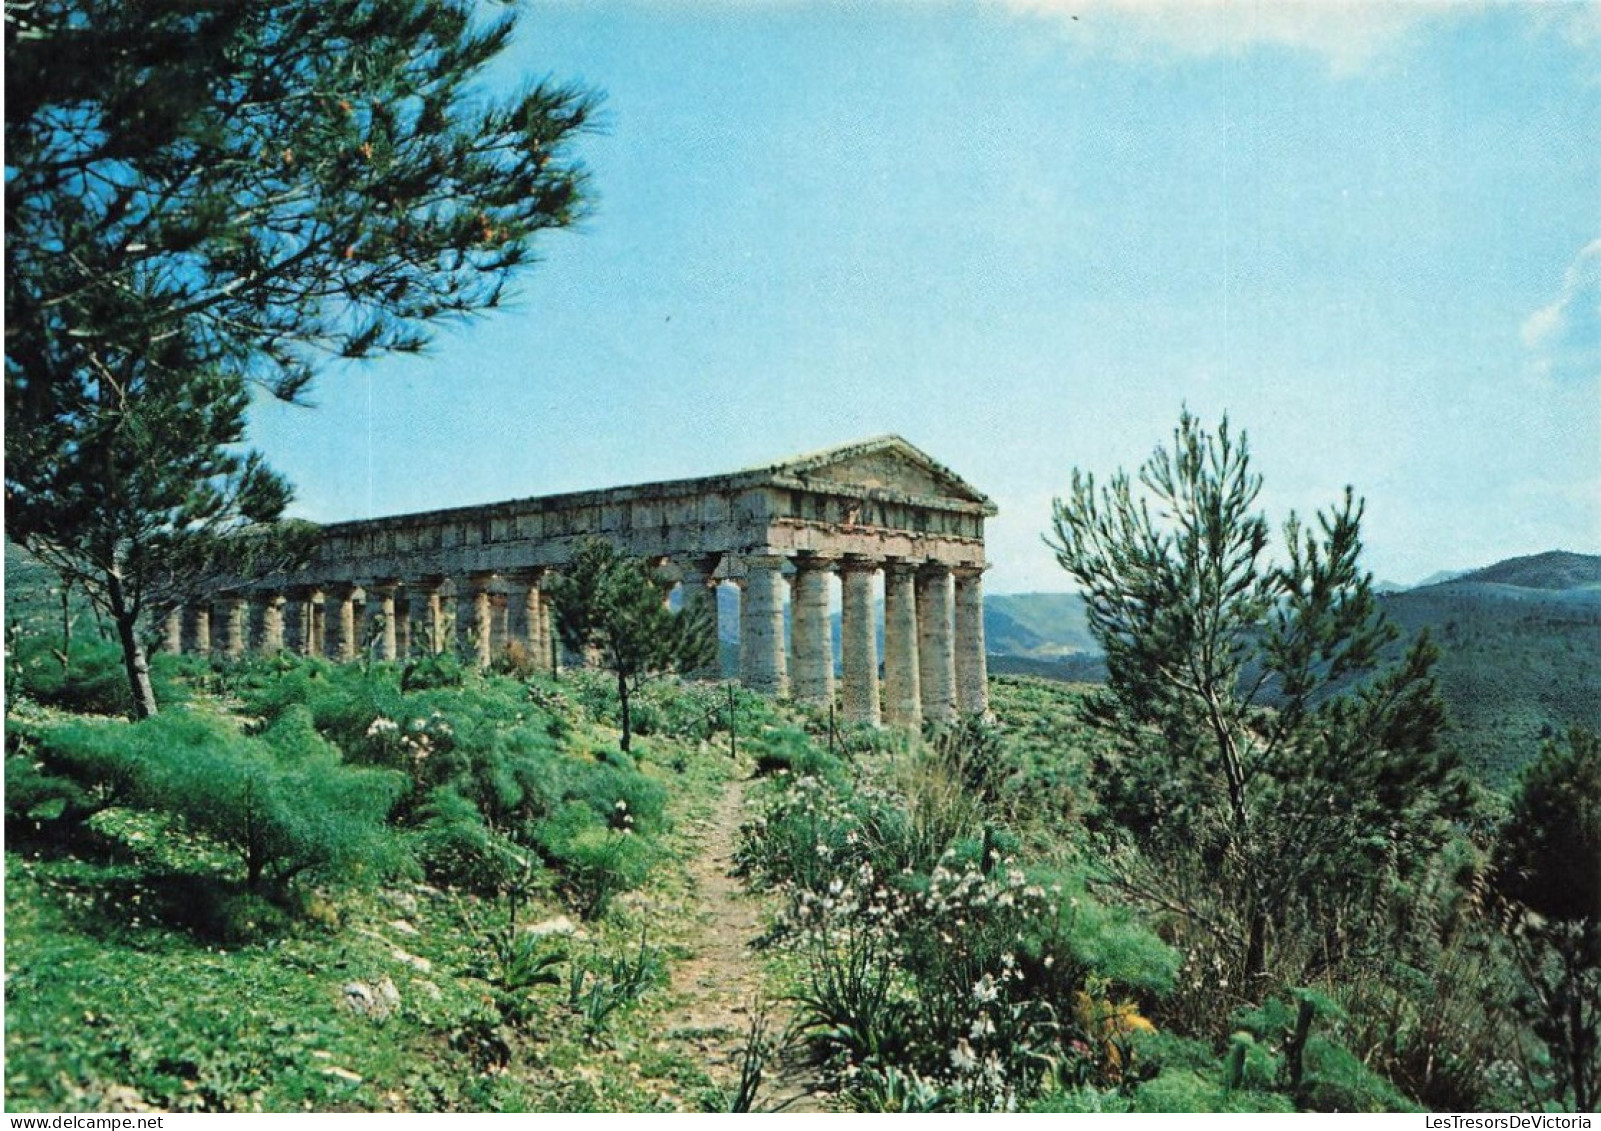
(723, 985)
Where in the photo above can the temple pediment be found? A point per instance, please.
(885, 463)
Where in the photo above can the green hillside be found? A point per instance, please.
(1517, 664)
(1036, 625)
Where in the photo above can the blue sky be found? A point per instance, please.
(1023, 235)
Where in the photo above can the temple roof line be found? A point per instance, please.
(808, 471)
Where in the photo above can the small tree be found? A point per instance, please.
(132, 488)
(616, 606)
(1548, 865)
(1268, 778)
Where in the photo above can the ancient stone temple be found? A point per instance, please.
(472, 578)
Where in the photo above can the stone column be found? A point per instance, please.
(536, 611)
(936, 654)
(234, 627)
(903, 702)
(520, 620)
(499, 620)
(699, 597)
(172, 633)
(859, 641)
(200, 629)
(403, 622)
(381, 608)
(297, 621)
(812, 677)
(972, 675)
(297, 610)
(314, 628)
(345, 645)
(550, 638)
(474, 613)
(461, 609)
(761, 626)
(435, 624)
(272, 623)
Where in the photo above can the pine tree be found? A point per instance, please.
(1259, 756)
(1548, 865)
(135, 491)
(615, 607)
(207, 197)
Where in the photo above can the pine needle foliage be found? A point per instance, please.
(1268, 773)
(1548, 866)
(614, 608)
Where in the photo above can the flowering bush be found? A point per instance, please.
(808, 836)
(951, 980)
(407, 747)
(946, 982)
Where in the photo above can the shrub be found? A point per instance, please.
(425, 672)
(1548, 867)
(94, 681)
(595, 860)
(33, 795)
(697, 712)
(802, 840)
(457, 849)
(286, 804)
(1279, 1046)
(614, 794)
(970, 751)
(925, 811)
(791, 750)
(933, 969)
(68, 771)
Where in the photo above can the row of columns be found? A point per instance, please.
(486, 612)
(934, 666)
(933, 663)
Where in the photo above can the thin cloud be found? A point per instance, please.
(1564, 339)
(1348, 34)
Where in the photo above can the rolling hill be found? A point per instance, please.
(1555, 571)
(1520, 653)
(1039, 626)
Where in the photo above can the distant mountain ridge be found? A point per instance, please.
(1037, 625)
(1553, 570)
